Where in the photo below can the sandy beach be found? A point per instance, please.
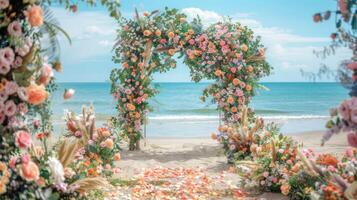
(207, 154)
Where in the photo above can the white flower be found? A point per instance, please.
(56, 168)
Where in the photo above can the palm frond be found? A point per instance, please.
(50, 31)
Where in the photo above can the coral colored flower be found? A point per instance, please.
(23, 139)
(250, 68)
(130, 107)
(40, 136)
(34, 15)
(230, 100)
(68, 93)
(147, 33)
(37, 94)
(214, 136)
(158, 33)
(261, 52)
(343, 6)
(236, 81)
(327, 159)
(116, 157)
(234, 109)
(171, 34)
(248, 87)
(104, 132)
(14, 29)
(29, 171)
(125, 65)
(285, 189)
(218, 72)
(171, 52)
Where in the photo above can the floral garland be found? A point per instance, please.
(225, 52)
(26, 80)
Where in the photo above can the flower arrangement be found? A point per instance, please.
(29, 171)
(239, 141)
(96, 148)
(225, 52)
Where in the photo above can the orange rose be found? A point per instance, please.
(234, 109)
(125, 65)
(146, 14)
(214, 136)
(236, 81)
(34, 15)
(158, 33)
(250, 68)
(285, 188)
(37, 94)
(261, 52)
(130, 107)
(248, 87)
(230, 100)
(171, 52)
(104, 132)
(147, 33)
(29, 171)
(218, 72)
(171, 34)
(116, 156)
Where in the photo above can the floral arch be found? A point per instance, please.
(225, 52)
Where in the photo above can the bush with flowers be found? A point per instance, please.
(225, 52)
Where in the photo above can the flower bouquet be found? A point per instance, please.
(240, 140)
(275, 159)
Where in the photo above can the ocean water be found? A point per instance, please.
(179, 112)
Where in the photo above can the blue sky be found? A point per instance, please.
(286, 28)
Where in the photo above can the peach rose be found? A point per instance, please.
(130, 107)
(157, 32)
(104, 132)
(46, 74)
(109, 143)
(29, 171)
(285, 188)
(116, 156)
(171, 34)
(34, 15)
(213, 136)
(244, 47)
(147, 33)
(37, 94)
(23, 139)
(218, 72)
(171, 52)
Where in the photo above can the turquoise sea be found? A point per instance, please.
(178, 111)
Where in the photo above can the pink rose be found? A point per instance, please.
(4, 67)
(352, 139)
(15, 29)
(352, 66)
(25, 159)
(11, 88)
(3, 96)
(353, 108)
(23, 109)
(350, 152)
(12, 162)
(23, 139)
(46, 74)
(68, 93)
(4, 4)
(17, 62)
(23, 51)
(10, 108)
(343, 6)
(7, 55)
(344, 110)
(233, 70)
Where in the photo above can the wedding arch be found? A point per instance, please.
(225, 52)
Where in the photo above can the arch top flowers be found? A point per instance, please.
(225, 52)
